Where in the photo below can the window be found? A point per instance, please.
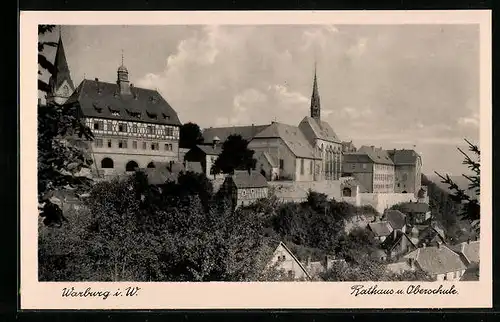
(151, 165)
(301, 166)
(150, 129)
(311, 167)
(144, 145)
(364, 166)
(282, 164)
(131, 166)
(122, 127)
(109, 126)
(122, 144)
(169, 131)
(134, 128)
(155, 146)
(96, 125)
(167, 147)
(291, 274)
(134, 144)
(98, 143)
(109, 144)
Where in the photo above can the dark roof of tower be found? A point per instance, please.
(102, 100)
(61, 72)
(403, 157)
(315, 100)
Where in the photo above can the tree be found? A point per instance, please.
(235, 155)
(62, 143)
(471, 208)
(190, 135)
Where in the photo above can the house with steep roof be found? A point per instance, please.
(397, 244)
(396, 218)
(245, 187)
(205, 155)
(133, 127)
(468, 251)
(418, 212)
(380, 229)
(267, 165)
(284, 260)
(163, 173)
(372, 167)
(296, 158)
(408, 170)
(438, 261)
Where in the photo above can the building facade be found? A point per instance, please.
(372, 167)
(245, 187)
(133, 127)
(408, 170)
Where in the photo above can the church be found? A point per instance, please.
(310, 151)
(133, 127)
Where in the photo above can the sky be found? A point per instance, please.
(391, 86)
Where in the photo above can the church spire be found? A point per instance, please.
(122, 79)
(315, 102)
(60, 81)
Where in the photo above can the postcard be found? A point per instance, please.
(255, 160)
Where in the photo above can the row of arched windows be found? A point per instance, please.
(108, 163)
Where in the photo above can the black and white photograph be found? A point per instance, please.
(259, 153)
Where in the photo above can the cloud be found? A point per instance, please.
(472, 121)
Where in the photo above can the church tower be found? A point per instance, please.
(315, 103)
(61, 85)
(122, 79)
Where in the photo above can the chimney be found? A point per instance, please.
(96, 79)
(372, 146)
(438, 244)
(308, 261)
(410, 262)
(468, 240)
(394, 233)
(328, 262)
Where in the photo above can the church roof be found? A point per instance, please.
(247, 132)
(293, 138)
(377, 155)
(61, 72)
(320, 129)
(101, 100)
(437, 259)
(210, 149)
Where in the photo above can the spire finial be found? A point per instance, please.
(60, 31)
(122, 57)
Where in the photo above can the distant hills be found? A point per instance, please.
(461, 181)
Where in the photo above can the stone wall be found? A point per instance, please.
(296, 191)
(382, 201)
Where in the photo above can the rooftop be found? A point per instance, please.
(243, 179)
(247, 132)
(396, 218)
(437, 259)
(380, 228)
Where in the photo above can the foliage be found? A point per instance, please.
(471, 208)
(235, 155)
(190, 135)
(359, 246)
(62, 146)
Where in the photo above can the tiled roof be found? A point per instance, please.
(428, 234)
(396, 218)
(163, 172)
(377, 155)
(356, 157)
(471, 273)
(380, 228)
(293, 138)
(403, 157)
(469, 250)
(100, 99)
(437, 260)
(415, 207)
(210, 150)
(322, 130)
(243, 179)
(247, 132)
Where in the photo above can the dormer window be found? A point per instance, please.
(114, 112)
(134, 114)
(152, 115)
(153, 99)
(97, 107)
(165, 116)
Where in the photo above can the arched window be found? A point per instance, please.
(107, 163)
(151, 165)
(131, 166)
(346, 192)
